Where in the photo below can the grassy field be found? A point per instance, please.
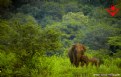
(61, 67)
(58, 66)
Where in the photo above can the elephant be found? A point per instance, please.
(95, 61)
(75, 52)
(85, 60)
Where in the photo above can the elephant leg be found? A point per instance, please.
(87, 64)
(77, 60)
(74, 60)
(71, 60)
(97, 64)
(82, 64)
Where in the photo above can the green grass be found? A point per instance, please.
(56, 66)
(61, 67)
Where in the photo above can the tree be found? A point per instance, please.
(97, 35)
(22, 36)
(73, 27)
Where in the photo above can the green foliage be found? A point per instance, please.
(27, 34)
(101, 54)
(31, 10)
(51, 38)
(76, 27)
(71, 7)
(60, 66)
(116, 40)
(7, 61)
(117, 54)
(23, 37)
(32, 29)
(73, 26)
(98, 35)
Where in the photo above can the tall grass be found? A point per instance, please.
(55, 66)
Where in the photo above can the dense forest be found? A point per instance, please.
(35, 36)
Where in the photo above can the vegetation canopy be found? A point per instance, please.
(36, 35)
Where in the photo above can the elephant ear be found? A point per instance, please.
(73, 47)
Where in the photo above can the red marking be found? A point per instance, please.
(112, 10)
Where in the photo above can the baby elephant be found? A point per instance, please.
(94, 61)
(85, 61)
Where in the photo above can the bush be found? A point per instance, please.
(7, 61)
